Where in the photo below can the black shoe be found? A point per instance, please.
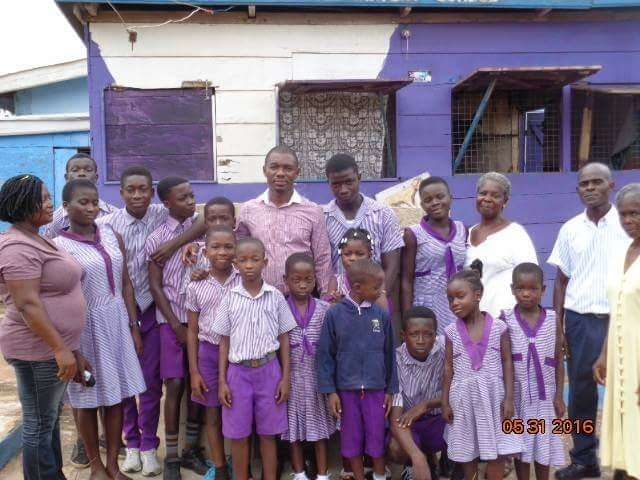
(445, 466)
(171, 469)
(194, 460)
(576, 472)
(79, 458)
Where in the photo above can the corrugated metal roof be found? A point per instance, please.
(480, 4)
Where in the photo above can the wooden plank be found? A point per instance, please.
(585, 131)
(183, 107)
(158, 139)
(362, 85)
(191, 166)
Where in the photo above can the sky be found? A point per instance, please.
(34, 33)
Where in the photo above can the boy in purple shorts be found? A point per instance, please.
(203, 299)
(417, 427)
(165, 282)
(355, 362)
(254, 321)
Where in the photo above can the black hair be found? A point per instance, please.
(476, 266)
(433, 181)
(295, 258)
(341, 162)
(472, 277)
(219, 229)
(527, 268)
(136, 170)
(362, 270)
(71, 186)
(355, 234)
(166, 184)
(20, 198)
(419, 312)
(78, 156)
(251, 241)
(282, 149)
(220, 201)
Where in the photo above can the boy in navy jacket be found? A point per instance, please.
(355, 361)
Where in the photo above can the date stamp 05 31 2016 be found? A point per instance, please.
(538, 426)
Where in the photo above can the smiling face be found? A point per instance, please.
(250, 261)
(81, 168)
(83, 208)
(419, 336)
(136, 192)
(528, 290)
(435, 200)
(220, 250)
(181, 201)
(301, 279)
(45, 214)
(594, 186)
(463, 299)
(345, 186)
(281, 171)
(629, 211)
(490, 199)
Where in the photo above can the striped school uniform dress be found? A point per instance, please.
(106, 340)
(437, 260)
(308, 411)
(534, 363)
(476, 395)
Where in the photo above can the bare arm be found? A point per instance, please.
(26, 298)
(167, 249)
(559, 293)
(507, 374)
(447, 378)
(408, 269)
(405, 439)
(282, 394)
(223, 364)
(558, 401)
(391, 267)
(130, 299)
(321, 249)
(155, 285)
(192, 341)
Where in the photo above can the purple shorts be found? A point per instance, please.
(208, 367)
(253, 392)
(428, 433)
(362, 427)
(173, 355)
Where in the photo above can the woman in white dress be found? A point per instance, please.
(497, 242)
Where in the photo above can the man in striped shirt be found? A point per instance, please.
(581, 254)
(416, 424)
(351, 209)
(286, 222)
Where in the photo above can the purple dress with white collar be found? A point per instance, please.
(437, 260)
(476, 395)
(534, 365)
(106, 339)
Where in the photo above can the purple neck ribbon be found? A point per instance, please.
(475, 350)
(303, 323)
(449, 261)
(532, 353)
(97, 244)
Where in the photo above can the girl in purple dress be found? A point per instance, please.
(477, 393)
(308, 413)
(539, 372)
(434, 251)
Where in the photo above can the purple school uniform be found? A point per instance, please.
(437, 260)
(308, 412)
(476, 395)
(534, 363)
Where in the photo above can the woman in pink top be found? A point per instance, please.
(44, 318)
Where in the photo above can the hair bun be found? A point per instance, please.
(476, 266)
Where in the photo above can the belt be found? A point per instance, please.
(601, 316)
(257, 362)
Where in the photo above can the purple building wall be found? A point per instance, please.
(541, 202)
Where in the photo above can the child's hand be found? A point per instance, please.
(507, 409)
(559, 406)
(407, 418)
(190, 253)
(224, 394)
(447, 413)
(334, 296)
(198, 274)
(388, 402)
(137, 341)
(198, 386)
(282, 392)
(181, 333)
(335, 407)
(600, 370)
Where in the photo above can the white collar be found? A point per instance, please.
(239, 289)
(295, 198)
(609, 218)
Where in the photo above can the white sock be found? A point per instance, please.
(379, 477)
(300, 476)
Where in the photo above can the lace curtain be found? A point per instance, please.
(319, 125)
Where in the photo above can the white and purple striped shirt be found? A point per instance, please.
(61, 219)
(204, 297)
(253, 324)
(173, 270)
(583, 251)
(378, 219)
(134, 232)
(419, 381)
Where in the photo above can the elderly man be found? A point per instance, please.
(286, 222)
(581, 254)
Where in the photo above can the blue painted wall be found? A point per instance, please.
(70, 96)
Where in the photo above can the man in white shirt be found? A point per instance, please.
(581, 254)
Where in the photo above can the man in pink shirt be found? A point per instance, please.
(285, 221)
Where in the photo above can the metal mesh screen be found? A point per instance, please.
(615, 129)
(519, 131)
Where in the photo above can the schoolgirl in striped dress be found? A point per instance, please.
(106, 341)
(308, 413)
(434, 251)
(478, 382)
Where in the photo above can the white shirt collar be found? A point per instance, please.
(295, 198)
(610, 217)
(364, 304)
(243, 291)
